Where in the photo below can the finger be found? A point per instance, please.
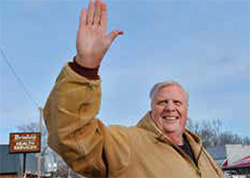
(90, 13)
(112, 35)
(83, 18)
(103, 21)
(97, 14)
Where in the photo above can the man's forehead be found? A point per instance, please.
(171, 90)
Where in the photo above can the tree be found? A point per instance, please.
(211, 134)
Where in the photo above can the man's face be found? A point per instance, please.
(169, 110)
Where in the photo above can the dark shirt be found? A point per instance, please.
(188, 150)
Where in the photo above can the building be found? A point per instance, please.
(233, 159)
(11, 165)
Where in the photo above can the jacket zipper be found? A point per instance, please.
(187, 157)
(196, 167)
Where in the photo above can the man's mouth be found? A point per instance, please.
(170, 117)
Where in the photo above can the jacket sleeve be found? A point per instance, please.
(74, 132)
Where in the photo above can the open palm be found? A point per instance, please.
(92, 40)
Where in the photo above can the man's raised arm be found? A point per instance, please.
(74, 132)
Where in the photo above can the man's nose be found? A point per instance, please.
(169, 106)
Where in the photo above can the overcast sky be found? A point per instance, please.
(202, 44)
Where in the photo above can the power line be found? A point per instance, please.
(26, 91)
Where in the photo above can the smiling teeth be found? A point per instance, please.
(170, 118)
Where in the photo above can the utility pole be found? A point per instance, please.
(39, 155)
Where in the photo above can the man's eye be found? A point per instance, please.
(163, 102)
(178, 103)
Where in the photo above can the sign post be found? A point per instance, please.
(24, 163)
(25, 142)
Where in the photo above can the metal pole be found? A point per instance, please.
(39, 154)
(24, 163)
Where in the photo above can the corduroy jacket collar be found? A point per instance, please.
(148, 124)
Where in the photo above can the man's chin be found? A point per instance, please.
(171, 130)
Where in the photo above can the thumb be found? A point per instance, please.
(112, 35)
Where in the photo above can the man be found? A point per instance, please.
(158, 146)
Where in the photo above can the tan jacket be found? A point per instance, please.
(95, 150)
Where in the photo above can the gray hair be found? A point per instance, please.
(167, 83)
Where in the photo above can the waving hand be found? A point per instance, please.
(92, 40)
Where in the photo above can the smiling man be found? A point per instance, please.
(169, 103)
(158, 146)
